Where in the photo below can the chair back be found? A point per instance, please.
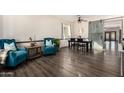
(48, 39)
(79, 39)
(72, 39)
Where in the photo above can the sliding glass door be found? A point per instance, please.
(110, 36)
(111, 40)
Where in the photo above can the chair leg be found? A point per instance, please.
(74, 45)
(82, 48)
(77, 47)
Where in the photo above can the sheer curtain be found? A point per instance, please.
(96, 33)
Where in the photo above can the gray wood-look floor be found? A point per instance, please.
(68, 63)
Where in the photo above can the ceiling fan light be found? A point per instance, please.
(79, 21)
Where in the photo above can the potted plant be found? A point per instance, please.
(57, 43)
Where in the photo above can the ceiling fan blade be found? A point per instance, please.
(84, 20)
(80, 19)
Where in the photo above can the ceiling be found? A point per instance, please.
(73, 18)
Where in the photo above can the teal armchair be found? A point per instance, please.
(14, 57)
(49, 49)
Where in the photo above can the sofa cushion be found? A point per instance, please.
(10, 46)
(49, 43)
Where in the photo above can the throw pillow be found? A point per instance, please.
(10, 46)
(49, 43)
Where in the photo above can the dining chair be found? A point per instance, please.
(72, 42)
(80, 44)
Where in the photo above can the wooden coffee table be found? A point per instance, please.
(34, 51)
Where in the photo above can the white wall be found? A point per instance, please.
(37, 27)
(99, 17)
(81, 29)
(113, 23)
(1, 26)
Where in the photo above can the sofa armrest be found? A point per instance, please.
(12, 53)
(42, 48)
(11, 57)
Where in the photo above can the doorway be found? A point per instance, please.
(111, 40)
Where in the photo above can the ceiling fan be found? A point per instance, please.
(79, 20)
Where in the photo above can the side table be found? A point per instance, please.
(34, 51)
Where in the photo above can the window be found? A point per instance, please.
(66, 31)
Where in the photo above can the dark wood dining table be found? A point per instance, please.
(87, 42)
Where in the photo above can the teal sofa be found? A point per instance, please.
(14, 57)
